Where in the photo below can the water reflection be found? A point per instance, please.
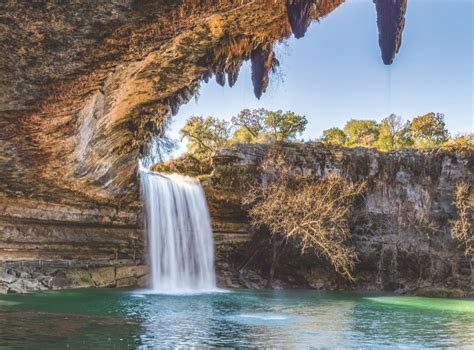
(421, 322)
(296, 319)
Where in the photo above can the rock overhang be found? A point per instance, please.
(86, 86)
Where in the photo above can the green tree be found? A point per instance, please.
(285, 126)
(205, 135)
(428, 130)
(250, 123)
(334, 136)
(393, 134)
(242, 135)
(361, 132)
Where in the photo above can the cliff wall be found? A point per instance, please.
(52, 246)
(84, 88)
(401, 230)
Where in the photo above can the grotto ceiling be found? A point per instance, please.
(84, 85)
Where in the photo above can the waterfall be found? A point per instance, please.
(181, 249)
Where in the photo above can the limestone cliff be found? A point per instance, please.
(84, 87)
(401, 230)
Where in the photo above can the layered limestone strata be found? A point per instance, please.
(45, 246)
(401, 230)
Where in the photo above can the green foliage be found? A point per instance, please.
(334, 136)
(393, 134)
(205, 135)
(461, 142)
(284, 126)
(243, 135)
(428, 130)
(361, 133)
(250, 121)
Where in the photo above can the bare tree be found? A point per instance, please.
(461, 228)
(311, 211)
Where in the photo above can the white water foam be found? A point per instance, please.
(181, 249)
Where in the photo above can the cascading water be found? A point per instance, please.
(181, 250)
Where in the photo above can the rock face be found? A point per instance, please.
(84, 87)
(401, 230)
(46, 246)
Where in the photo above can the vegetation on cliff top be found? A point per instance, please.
(208, 135)
(392, 133)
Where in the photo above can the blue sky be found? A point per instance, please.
(336, 73)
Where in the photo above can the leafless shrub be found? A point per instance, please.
(313, 211)
(461, 228)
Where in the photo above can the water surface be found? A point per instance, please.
(291, 319)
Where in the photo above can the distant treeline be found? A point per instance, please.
(206, 135)
(393, 133)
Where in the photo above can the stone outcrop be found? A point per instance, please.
(401, 230)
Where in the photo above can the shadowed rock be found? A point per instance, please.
(299, 16)
(233, 74)
(390, 22)
(263, 60)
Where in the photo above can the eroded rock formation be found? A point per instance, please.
(391, 22)
(401, 230)
(299, 16)
(85, 86)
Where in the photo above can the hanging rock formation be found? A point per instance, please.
(263, 61)
(299, 16)
(84, 87)
(390, 21)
